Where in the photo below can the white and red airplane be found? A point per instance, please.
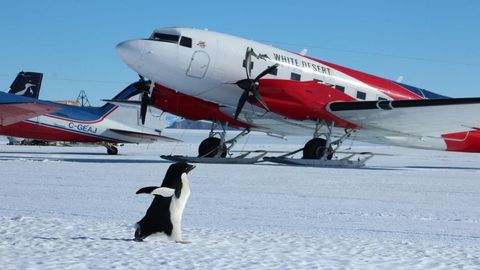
(23, 115)
(200, 74)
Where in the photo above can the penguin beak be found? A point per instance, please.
(190, 167)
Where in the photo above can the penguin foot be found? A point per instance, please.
(138, 236)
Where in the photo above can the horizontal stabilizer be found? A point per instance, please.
(15, 108)
(148, 136)
(124, 103)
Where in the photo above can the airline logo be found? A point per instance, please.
(28, 88)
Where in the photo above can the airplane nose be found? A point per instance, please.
(131, 51)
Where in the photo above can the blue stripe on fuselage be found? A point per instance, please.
(421, 92)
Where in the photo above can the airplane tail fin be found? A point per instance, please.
(27, 84)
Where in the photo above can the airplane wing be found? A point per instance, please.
(147, 136)
(15, 108)
(426, 117)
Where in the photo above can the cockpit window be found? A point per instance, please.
(165, 37)
(186, 42)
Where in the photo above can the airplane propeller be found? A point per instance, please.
(147, 88)
(250, 86)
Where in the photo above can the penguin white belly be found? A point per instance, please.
(177, 206)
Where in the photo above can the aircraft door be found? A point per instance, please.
(198, 64)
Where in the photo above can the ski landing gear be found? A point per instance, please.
(321, 151)
(216, 149)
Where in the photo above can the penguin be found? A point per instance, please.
(165, 212)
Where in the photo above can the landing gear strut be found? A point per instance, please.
(321, 148)
(213, 147)
(320, 151)
(216, 149)
(111, 149)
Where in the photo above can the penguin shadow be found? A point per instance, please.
(119, 239)
(46, 238)
(85, 238)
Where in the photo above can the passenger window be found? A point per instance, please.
(361, 95)
(186, 42)
(295, 77)
(165, 37)
(340, 88)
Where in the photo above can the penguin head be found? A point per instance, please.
(173, 177)
(185, 166)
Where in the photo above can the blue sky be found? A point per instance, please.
(432, 44)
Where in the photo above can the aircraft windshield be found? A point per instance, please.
(165, 37)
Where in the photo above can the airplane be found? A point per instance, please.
(201, 74)
(23, 115)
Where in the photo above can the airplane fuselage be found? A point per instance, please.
(205, 67)
(214, 61)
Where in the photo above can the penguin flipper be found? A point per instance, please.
(147, 190)
(163, 191)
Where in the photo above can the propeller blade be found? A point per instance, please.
(241, 103)
(266, 71)
(259, 98)
(249, 86)
(152, 85)
(144, 106)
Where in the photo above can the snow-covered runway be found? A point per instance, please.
(75, 208)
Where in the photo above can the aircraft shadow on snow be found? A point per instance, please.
(85, 160)
(53, 153)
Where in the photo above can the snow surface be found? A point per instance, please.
(75, 207)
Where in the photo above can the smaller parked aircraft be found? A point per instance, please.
(23, 115)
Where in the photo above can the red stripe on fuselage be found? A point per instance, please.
(41, 132)
(190, 107)
(387, 87)
(303, 100)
